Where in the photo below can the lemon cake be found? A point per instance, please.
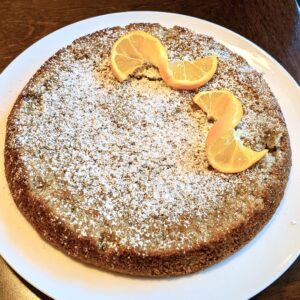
(115, 174)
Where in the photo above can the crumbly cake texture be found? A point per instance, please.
(115, 174)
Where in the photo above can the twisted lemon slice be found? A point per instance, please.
(138, 47)
(225, 152)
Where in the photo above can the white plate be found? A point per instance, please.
(241, 276)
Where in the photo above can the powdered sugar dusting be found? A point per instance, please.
(125, 163)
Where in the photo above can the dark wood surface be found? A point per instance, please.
(274, 25)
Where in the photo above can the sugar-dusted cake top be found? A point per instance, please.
(125, 163)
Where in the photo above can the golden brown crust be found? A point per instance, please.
(156, 264)
(50, 228)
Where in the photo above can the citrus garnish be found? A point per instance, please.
(189, 75)
(133, 50)
(227, 154)
(224, 149)
(138, 47)
(220, 104)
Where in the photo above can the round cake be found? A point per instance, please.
(116, 175)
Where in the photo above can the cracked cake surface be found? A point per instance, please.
(115, 174)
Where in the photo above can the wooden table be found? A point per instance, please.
(274, 25)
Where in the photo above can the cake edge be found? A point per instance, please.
(159, 264)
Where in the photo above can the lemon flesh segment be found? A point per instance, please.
(189, 75)
(133, 50)
(227, 154)
(220, 104)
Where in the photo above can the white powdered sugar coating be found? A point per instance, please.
(125, 163)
